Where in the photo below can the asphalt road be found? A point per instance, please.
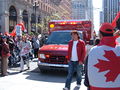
(34, 80)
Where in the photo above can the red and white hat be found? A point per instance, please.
(107, 28)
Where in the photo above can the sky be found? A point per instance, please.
(97, 7)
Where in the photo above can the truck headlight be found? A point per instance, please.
(42, 56)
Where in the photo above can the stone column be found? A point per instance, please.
(19, 18)
(5, 21)
(4, 16)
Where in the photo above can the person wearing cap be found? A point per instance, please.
(103, 61)
(5, 53)
(76, 55)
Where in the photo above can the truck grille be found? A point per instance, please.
(56, 60)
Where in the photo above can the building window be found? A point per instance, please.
(12, 18)
(33, 19)
(25, 18)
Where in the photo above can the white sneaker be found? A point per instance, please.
(77, 87)
(65, 88)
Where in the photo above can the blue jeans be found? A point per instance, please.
(74, 66)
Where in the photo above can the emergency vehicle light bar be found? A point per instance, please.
(63, 23)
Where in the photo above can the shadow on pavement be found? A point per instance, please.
(13, 73)
(48, 76)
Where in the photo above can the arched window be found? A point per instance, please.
(33, 22)
(12, 18)
(25, 18)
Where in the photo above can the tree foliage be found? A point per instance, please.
(43, 25)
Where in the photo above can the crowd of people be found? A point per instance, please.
(18, 49)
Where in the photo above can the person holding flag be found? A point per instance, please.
(18, 29)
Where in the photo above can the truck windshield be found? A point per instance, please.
(58, 37)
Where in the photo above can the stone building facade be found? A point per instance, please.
(31, 12)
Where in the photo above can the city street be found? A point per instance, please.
(34, 80)
(57, 35)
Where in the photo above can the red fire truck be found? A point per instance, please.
(53, 55)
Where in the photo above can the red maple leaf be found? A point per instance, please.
(113, 65)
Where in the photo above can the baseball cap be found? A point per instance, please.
(107, 28)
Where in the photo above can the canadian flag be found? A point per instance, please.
(22, 26)
(116, 18)
(104, 68)
(7, 34)
(13, 33)
(18, 29)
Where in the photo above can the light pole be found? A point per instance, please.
(35, 6)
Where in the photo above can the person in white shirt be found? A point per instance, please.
(76, 55)
(25, 46)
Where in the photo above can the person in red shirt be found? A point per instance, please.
(76, 55)
(5, 52)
